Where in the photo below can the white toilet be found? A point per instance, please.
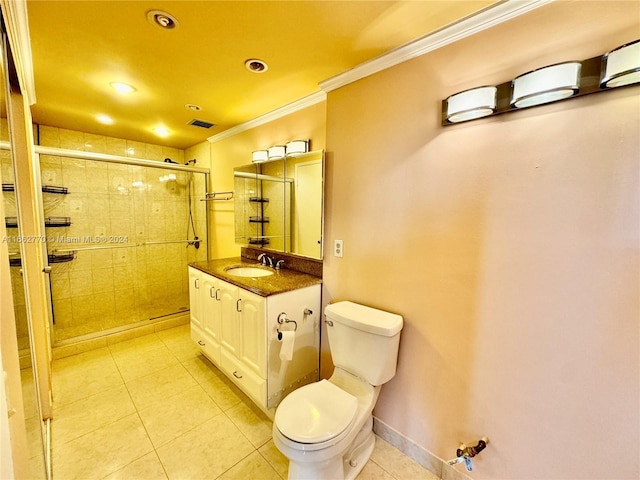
(325, 429)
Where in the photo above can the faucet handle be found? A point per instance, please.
(279, 264)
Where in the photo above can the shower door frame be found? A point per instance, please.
(108, 158)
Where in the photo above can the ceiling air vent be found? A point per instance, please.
(200, 123)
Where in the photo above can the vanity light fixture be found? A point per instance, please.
(470, 104)
(546, 84)
(297, 146)
(260, 156)
(617, 68)
(621, 66)
(277, 151)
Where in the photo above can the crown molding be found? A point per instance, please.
(482, 20)
(283, 111)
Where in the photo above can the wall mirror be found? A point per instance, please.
(279, 204)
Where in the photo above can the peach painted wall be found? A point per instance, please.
(235, 151)
(510, 245)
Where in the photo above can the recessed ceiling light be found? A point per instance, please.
(161, 131)
(122, 87)
(191, 106)
(256, 66)
(106, 119)
(162, 19)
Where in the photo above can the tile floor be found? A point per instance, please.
(154, 408)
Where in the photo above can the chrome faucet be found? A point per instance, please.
(265, 259)
(279, 264)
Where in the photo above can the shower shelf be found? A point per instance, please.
(12, 222)
(52, 257)
(10, 187)
(258, 219)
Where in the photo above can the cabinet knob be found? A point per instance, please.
(211, 292)
(235, 374)
(217, 298)
(238, 305)
(196, 283)
(201, 343)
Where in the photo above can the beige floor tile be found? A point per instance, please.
(253, 425)
(133, 364)
(145, 468)
(397, 464)
(276, 459)
(178, 340)
(205, 452)
(173, 416)
(154, 388)
(136, 344)
(220, 388)
(373, 471)
(101, 452)
(253, 467)
(75, 419)
(84, 375)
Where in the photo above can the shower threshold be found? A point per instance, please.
(104, 338)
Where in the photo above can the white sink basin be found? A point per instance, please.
(249, 272)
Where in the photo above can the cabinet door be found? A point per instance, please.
(210, 314)
(252, 332)
(229, 322)
(195, 284)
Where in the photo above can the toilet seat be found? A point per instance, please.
(316, 414)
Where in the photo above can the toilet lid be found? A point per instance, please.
(315, 413)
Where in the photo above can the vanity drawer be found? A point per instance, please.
(209, 347)
(243, 377)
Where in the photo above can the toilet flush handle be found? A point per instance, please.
(329, 323)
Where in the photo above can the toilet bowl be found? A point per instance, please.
(325, 429)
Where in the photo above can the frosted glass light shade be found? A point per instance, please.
(260, 156)
(297, 146)
(546, 84)
(277, 151)
(621, 66)
(471, 104)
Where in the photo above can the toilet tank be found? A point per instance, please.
(363, 340)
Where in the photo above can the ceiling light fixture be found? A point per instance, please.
(621, 66)
(256, 66)
(104, 119)
(162, 19)
(161, 131)
(122, 87)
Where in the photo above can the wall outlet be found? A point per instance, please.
(338, 248)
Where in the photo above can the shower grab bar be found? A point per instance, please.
(96, 247)
(123, 245)
(163, 242)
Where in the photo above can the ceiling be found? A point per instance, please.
(79, 47)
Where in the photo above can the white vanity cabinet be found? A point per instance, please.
(238, 331)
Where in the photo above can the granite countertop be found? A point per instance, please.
(283, 280)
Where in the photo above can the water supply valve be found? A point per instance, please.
(465, 453)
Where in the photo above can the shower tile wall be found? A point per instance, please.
(123, 206)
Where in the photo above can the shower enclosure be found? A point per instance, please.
(119, 235)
